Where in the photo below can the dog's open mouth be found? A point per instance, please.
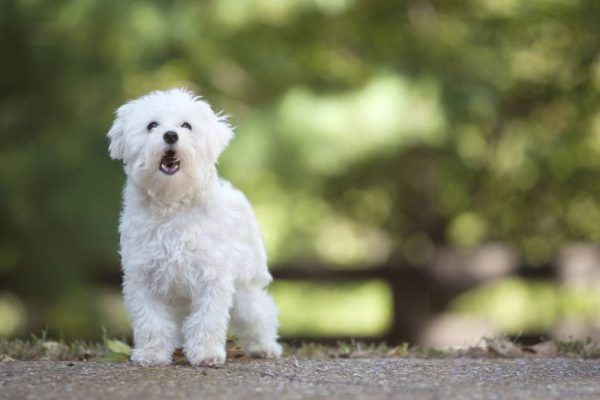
(169, 163)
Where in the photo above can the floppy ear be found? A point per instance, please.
(116, 147)
(218, 135)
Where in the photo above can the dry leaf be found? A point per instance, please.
(503, 348)
(545, 349)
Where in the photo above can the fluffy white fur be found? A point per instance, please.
(192, 252)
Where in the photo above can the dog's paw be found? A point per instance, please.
(264, 350)
(150, 357)
(209, 362)
(206, 357)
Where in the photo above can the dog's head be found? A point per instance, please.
(169, 141)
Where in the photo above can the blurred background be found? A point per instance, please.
(424, 170)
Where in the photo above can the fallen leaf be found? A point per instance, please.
(235, 352)
(399, 351)
(545, 349)
(503, 348)
(118, 347)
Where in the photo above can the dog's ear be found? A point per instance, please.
(116, 147)
(218, 136)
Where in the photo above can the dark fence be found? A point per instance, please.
(419, 293)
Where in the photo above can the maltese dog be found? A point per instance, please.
(192, 253)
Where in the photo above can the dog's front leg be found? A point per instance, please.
(154, 327)
(205, 329)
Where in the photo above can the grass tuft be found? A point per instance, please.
(114, 350)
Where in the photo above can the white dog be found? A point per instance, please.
(191, 249)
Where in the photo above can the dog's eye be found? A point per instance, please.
(152, 125)
(186, 126)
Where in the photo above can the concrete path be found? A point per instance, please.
(292, 378)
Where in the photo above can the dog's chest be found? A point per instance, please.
(179, 252)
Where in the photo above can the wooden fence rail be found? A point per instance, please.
(418, 293)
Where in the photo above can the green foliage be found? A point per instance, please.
(516, 305)
(355, 309)
(364, 127)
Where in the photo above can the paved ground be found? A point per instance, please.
(292, 378)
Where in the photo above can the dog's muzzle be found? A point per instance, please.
(169, 163)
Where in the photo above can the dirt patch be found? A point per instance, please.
(301, 378)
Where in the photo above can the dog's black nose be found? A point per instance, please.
(170, 137)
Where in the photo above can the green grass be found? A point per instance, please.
(581, 348)
(112, 350)
(43, 349)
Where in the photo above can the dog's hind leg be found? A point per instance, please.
(254, 322)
